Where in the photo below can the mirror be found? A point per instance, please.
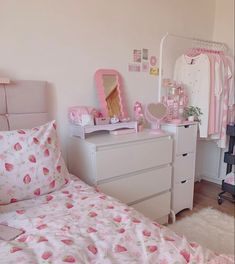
(155, 113)
(110, 93)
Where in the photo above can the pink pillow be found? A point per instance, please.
(30, 163)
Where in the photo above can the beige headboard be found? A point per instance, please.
(23, 104)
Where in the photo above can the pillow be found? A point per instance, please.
(30, 163)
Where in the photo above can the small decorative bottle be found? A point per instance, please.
(139, 115)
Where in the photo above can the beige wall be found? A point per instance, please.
(66, 41)
(224, 22)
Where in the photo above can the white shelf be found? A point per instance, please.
(82, 131)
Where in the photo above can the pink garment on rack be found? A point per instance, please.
(212, 107)
(231, 103)
(220, 74)
(225, 102)
(220, 94)
(217, 80)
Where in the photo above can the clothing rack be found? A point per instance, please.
(197, 42)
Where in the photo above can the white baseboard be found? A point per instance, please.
(197, 178)
(211, 179)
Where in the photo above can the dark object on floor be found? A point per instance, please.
(229, 158)
(227, 188)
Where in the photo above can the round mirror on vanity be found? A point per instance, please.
(155, 113)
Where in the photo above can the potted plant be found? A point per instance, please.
(193, 113)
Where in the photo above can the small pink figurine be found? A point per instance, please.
(96, 113)
(139, 115)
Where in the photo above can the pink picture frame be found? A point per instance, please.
(101, 92)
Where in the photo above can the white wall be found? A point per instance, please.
(224, 23)
(66, 41)
(210, 164)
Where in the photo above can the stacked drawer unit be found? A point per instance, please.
(184, 156)
(134, 168)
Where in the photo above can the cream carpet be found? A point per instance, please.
(210, 228)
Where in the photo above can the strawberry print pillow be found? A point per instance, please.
(30, 163)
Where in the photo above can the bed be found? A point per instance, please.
(78, 224)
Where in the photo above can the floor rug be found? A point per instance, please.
(210, 228)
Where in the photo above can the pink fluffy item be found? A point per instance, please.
(76, 113)
(230, 178)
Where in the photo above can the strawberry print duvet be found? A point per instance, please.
(78, 224)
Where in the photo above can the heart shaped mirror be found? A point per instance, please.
(154, 114)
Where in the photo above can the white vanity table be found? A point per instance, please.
(134, 168)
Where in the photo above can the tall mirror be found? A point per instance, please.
(110, 93)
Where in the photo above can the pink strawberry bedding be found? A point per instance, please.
(77, 224)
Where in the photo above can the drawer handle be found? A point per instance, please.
(185, 154)
(186, 126)
(183, 181)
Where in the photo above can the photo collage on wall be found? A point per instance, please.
(142, 62)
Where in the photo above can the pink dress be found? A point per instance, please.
(212, 107)
(227, 100)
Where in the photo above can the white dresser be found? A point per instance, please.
(134, 168)
(185, 137)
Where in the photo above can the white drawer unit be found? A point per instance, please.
(184, 167)
(134, 168)
(144, 184)
(182, 195)
(185, 138)
(153, 207)
(116, 156)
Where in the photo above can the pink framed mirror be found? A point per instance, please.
(110, 93)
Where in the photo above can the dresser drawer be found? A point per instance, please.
(182, 196)
(139, 186)
(127, 158)
(184, 167)
(185, 140)
(155, 207)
